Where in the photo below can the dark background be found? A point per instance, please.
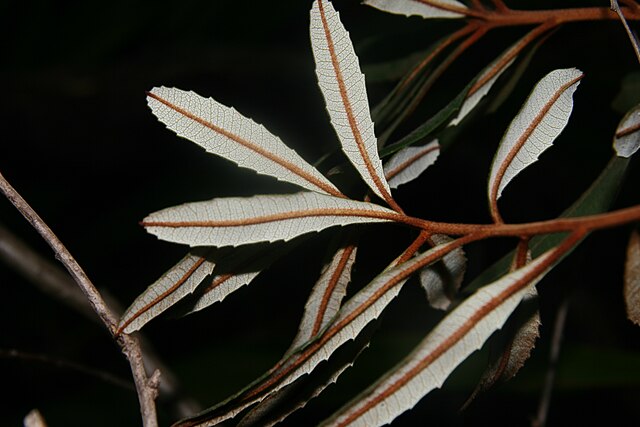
(81, 146)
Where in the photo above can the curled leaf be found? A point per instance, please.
(409, 163)
(223, 131)
(632, 278)
(627, 139)
(424, 8)
(241, 220)
(175, 284)
(458, 335)
(441, 280)
(343, 87)
(512, 350)
(541, 119)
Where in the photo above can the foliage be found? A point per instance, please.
(234, 240)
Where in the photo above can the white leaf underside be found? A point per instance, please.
(423, 8)
(442, 280)
(343, 87)
(326, 295)
(627, 139)
(458, 335)
(486, 79)
(364, 307)
(409, 163)
(237, 221)
(223, 131)
(541, 119)
(220, 286)
(632, 278)
(361, 309)
(181, 280)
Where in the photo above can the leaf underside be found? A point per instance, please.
(458, 335)
(175, 284)
(237, 221)
(632, 278)
(541, 119)
(423, 8)
(627, 139)
(223, 131)
(343, 87)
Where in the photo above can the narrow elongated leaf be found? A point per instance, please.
(241, 220)
(326, 295)
(409, 163)
(434, 123)
(510, 351)
(541, 119)
(364, 307)
(441, 280)
(277, 406)
(484, 82)
(234, 269)
(220, 286)
(175, 284)
(223, 131)
(458, 335)
(424, 8)
(343, 86)
(627, 139)
(632, 278)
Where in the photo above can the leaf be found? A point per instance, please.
(278, 406)
(424, 8)
(360, 310)
(484, 82)
(596, 199)
(234, 271)
(343, 87)
(34, 419)
(632, 278)
(242, 220)
(458, 335)
(441, 280)
(409, 163)
(541, 119)
(627, 139)
(430, 126)
(514, 348)
(223, 131)
(326, 296)
(174, 285)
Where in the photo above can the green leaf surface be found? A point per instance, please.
(436, 122)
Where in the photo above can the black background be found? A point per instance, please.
(81, 146)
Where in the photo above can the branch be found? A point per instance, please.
(55, 282)
(632, 38)
(145, 387)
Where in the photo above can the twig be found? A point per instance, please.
(634, 42)
(549, 381)
(45, 359)
(129, 345)
(55, 282)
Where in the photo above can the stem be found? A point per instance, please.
(146, 389)
(632, 38)
(556, 343)
(587, 223)
(510, 17)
